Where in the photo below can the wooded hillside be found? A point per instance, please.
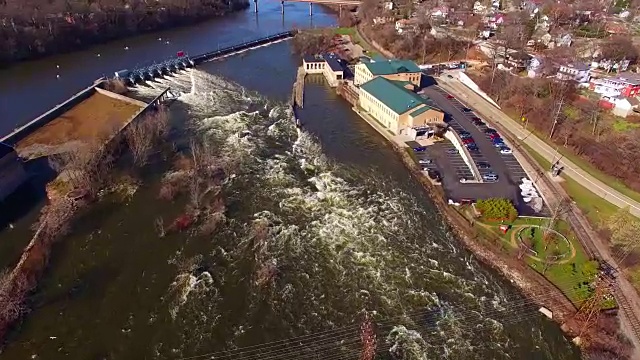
(33, 28)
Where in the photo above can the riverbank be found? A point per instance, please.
(34, 35)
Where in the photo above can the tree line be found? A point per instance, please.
(34, 28)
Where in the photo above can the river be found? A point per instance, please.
(348, 229)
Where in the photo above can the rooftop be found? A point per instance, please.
(393, 95)
(313, 58)
(388, 67)
(578, 66)
(419, 111)
(333, 61)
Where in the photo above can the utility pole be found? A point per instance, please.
(368, 338)
(555, 118)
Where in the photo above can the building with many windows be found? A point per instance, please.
(401, 70)
(330, 65)
(393, 104)
(625, 84)
(577, 72)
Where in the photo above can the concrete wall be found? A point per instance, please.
(473, 86)
(24, 131)
(466, 156)
(120, 97)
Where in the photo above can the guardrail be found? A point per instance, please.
(243, 46)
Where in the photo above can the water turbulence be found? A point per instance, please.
(307, 245)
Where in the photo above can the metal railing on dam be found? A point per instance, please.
(228, 50)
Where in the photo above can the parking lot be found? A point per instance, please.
(487, 154)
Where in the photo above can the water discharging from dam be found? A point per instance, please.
(341, 240)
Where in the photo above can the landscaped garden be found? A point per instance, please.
(549, 247)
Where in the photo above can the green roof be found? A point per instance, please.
(402, 83)
(417, 112)
(393, 95)
(389, 67)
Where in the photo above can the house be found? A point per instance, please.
(402, 70)
(623, 106)
(388, 5)
(625, 84)
(518, 59)
(440, 12)
(495, 21)
(535, 68)
(478, 8)
(578, 72)
(12, 173)
(379, 20)
(399, 109)
(330, 65)
(405, 25)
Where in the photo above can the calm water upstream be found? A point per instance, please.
(348, 229)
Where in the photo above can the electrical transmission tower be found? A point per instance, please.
(368, 338)
(590, 310)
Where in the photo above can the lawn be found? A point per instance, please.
(351, 31)
(593, 206)
(585, 165)
(573, 278)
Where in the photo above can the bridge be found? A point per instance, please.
(341, 3)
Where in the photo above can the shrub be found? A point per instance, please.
(497, 209)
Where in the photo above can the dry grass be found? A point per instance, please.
(95, 119)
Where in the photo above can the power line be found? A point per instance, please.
(330, 336)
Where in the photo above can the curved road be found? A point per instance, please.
(549, 153)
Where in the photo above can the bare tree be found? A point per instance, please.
(85, 167)
(550, 258)
(143, 135)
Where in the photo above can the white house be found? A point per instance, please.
(574, 71)
(478, 8)
(404, 25)
(624, 106)
(535, 67)
(440, 11)
(379, 20)
(388, 5)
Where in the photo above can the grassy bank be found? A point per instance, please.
(593, 206)
(572, 273)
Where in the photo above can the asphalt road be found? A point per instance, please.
(570, 169)
(508, 172)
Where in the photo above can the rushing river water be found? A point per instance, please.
(347, 229)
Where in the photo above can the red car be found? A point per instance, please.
(494, 136)
(450, 97)
(468, 141)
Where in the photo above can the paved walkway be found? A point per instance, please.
(570, 169)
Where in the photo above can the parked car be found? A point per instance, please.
(494, 136)
(465, 136)
(490, 130)
(449, 96)
(497, 140)
(468, 140)
(490, 177)
(434, 174)
(452, 151)
(425, 161)
(464, 179)
(419, 149)
(474, 150)
(483, 165)
(464, 133)
(478, 122)
(505, 150)
(466, 109)
(449, 76)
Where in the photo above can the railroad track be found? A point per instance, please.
(624, 305)
(576, 220)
